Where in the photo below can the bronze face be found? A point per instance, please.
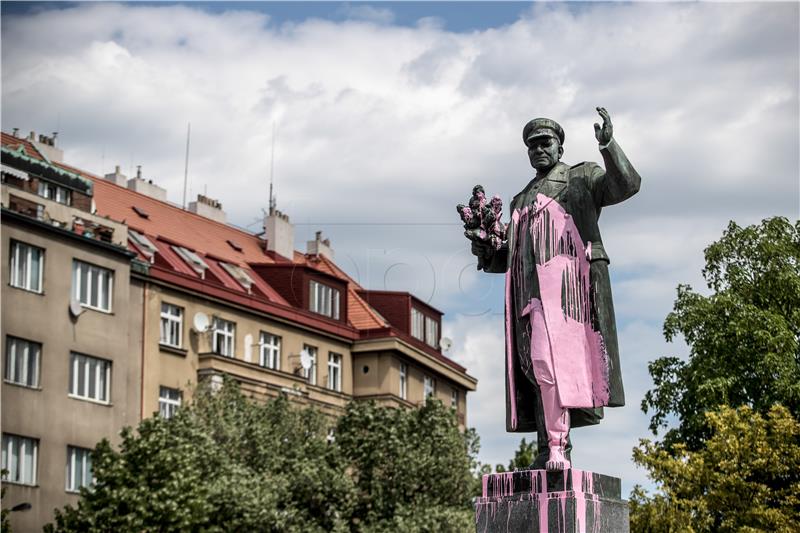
(544, 152)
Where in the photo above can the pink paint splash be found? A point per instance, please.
(579, 359)
(577, 485)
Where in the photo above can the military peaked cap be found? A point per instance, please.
(542, 127)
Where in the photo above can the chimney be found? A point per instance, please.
(147, 188)
(15, 133)
(279, 233)
(319, 246)
(47, 146)
(117, 177)
(209, 208)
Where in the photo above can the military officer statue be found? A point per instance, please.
(562, 359)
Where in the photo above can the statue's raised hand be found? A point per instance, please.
(605, 132)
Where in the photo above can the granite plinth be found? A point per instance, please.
(537, 501)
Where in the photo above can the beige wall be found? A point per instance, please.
(382, 382)
(48, 413)
(171, 368)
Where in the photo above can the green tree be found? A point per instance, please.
(224, 463)
(412, 468)
(523, 457)
(227, 463)
(745, 478)
(743, 337)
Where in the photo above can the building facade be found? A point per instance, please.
(104, 277)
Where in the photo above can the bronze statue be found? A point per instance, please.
(562, 358)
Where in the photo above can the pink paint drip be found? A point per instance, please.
(579, 358)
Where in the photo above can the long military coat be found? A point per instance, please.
(578, 193)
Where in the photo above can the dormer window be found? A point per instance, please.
(324, 300)
(192, 259)
(239, 274)
(417, 324)
(144, 244)
(424, 328)
(431, 332)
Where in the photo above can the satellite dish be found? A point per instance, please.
(75, 308)
(446, 343)
(305, 360)
(248, 348)
(201, 322)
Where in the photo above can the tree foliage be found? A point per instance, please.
(523, 457)
(227, 463)
(743, 337)
(745, 478)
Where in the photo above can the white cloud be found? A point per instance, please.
(381, 123)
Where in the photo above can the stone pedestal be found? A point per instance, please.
(537, 501)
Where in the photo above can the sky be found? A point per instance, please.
(384, 116)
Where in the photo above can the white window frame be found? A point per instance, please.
(269, 350)
(431, 332)
(78, 459)
(169, 401)
(171, 325)
(20, 271)
(335, 371)
(311, 373)
(428, 387)
(17, 464)
(454, 399)
(417, 324)
(403, 381)
(54, 192)
(224, 338)
(101, 369)
(324, 299)
(99, 283)
(23, 359)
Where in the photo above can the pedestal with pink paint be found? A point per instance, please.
(537, 501)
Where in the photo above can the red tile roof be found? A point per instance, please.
(167, 225)
(15, 142)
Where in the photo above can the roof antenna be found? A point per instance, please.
(186, 165)
(272, 201)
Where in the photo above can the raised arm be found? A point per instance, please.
(620, 180)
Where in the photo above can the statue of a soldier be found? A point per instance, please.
(562, 359)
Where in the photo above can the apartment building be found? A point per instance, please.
(191, 297)
(69, 335)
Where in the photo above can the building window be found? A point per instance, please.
(193, 260)
(310, 373)
(19, 459)
(429, 387)
(26, 266)
(89, 378)
(79, 468)
(168, 401)
(92, 285)
(335, 371)
(454, 399)
(417, 324)
(22, 362)
(144, 244)
(431, 332)
(270, 351)
(404, 381)
(224, 333)
(239, 274)
(171, 325)
(324, 300)
(51, 191)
